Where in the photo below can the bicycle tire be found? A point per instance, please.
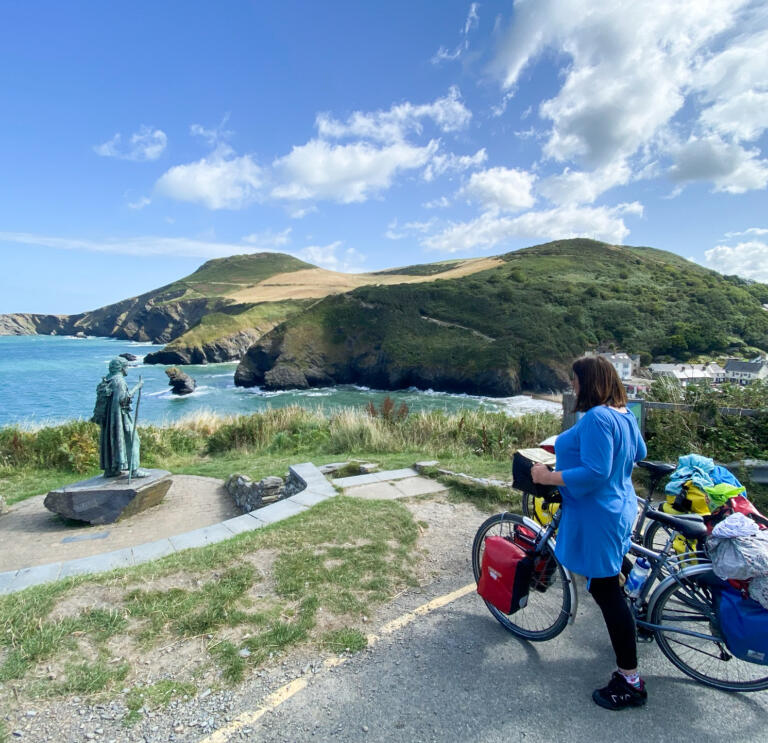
(688, 600)
(656, 535)
(546, 614)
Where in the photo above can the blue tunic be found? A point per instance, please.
(595, 458)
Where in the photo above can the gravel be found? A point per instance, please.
(76, 720)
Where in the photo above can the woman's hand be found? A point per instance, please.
(541, 474)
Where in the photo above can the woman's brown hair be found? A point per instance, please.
(599, 384)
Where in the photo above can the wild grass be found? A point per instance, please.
(155, 696)
(342, 558)
(33, 461)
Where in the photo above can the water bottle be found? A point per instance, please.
(636, 579)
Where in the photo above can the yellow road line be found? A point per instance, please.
(285, 692)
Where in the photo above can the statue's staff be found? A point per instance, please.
(133, 432)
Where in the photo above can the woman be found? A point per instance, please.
(595, 459)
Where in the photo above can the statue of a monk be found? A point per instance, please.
(119, 444)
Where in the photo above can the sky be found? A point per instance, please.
(138, 140)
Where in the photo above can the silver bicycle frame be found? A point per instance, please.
(569, 580)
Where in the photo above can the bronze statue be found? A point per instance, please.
(119, 444)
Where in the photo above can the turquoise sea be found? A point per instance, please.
(49, 379)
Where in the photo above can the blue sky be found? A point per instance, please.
(139, 139)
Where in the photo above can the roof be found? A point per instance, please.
(745, 366)
(621, 356)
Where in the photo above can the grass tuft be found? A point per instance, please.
(345, 640)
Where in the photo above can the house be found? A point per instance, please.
(621, 362)
(686, 374)
(744, 372)
(636, 386)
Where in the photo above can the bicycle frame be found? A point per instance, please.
(546, 537)
(658, 560)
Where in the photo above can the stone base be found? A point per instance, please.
(104, 500)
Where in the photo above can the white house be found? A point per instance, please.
(686, 374)
(621, 362)
(744, 372)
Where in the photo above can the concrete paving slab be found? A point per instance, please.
(246, 522)
(35, 576)
(350, 482)
(6, 580)
(97, 563)
(278, 511)
(201, 537)
(375, 491)
(395, 474)
(419, 486)
(152, 551)
(310, 497)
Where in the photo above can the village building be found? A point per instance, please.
(685, 374)
(745, 372)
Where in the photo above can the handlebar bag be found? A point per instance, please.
(744, 626)
(505, 575)
(522, 480)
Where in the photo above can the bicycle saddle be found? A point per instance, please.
(691, 527)
(657, 469)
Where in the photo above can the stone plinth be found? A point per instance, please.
(104, 500)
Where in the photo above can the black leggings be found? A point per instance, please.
(618, 619)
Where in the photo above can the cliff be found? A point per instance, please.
(513, 327)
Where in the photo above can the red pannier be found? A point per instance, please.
(505, 576)
(544, 564)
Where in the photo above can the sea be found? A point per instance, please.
(46, 380)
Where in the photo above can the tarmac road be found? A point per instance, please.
(457, 675)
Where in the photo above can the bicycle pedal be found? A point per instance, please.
(644, 636)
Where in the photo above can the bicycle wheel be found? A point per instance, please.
(688, 604)
(533, 507)
(549, 605)
(656, 536)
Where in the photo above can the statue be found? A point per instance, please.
(119, 444)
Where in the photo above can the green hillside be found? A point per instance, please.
(516, 326)
(222, 276)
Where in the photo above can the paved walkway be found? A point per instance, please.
(389, 485)
(196, 511)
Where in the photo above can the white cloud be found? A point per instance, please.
(748, 231)
(583, 187)
(734, 82)
(450, 162)
(501, 188)
(628, 69)
(472, 22)
(441, 202)
(219, 181)
(213, 136)
(267, 239)
(395, 231)
(490, 229)
(729, 166)
(139, 246)
(140, 203)
(747, 259)
(326, 257)
(145, 144)
(473, 19)
(344, 173)
(448, 113)
(630, 61)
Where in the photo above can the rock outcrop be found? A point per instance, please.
(128, 356)
(104, 500)
(228, 348)
(180, 382)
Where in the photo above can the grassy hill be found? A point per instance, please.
(514, 326)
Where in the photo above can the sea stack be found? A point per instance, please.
(181, 383)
